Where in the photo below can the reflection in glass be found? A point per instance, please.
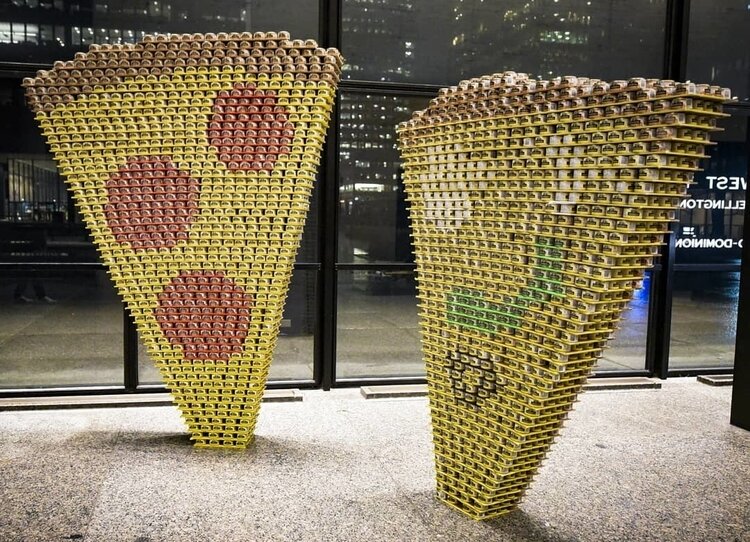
(59, 329)
(104, 21)
(5, 33)
(718, 48)
(704, 319)
(712, 219)
(628, 348)
(38, 221)
(308, 250)
(295, 349)
(87, 35)
(445, 41)
(373, 219)
(18, 33)
(32, 33)
(47, 33)
(60, 35)
(377, 325)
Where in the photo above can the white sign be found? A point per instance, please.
(721, 182)
(708, 243)
(737, 205)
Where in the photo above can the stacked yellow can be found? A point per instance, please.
(536, 206)
(192, 159)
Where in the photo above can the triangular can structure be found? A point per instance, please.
(535, 207)
(192, 159)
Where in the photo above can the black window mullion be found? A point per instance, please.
(740, 412)
(324, 367)
(676, 39)
(130, 351)
(660, 315)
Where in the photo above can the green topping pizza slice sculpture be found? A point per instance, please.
(536, 207)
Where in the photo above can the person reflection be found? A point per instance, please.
(19, 294)
(28, 244)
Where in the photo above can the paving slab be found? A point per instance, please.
(716, 380)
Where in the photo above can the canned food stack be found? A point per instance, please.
(535, 207)
(192, 159)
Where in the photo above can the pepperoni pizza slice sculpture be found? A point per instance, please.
(536, 207)
(192, 159)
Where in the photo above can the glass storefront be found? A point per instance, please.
(444, 41)
(352, 310)
(60, 328)
(42, 31)
(718, 49)
(627, 351)
(712, 219)
(704, 319)
(709, 237)
(373, 221)
(377, 324)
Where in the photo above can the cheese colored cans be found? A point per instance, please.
(192, 159)
(535, 208)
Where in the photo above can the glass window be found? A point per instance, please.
(18, 33)
(5, 33)
(373, 217)
(718, 48)
(60, 35)
(75, 336)
(704, 303)
(308, 250)
(32, 33)
(295, 349)
(377, 325)
(443, 42)
(154, 8)
(87, 35)
(29, 181)
(101, 35)
(47, 33)
(704, 319)
(59, 328)
(711, 220)
(99, 18)
(627, 350)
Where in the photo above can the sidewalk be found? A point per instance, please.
(661, 465)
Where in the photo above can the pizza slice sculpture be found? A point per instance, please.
(192, 159)
(536, 207)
